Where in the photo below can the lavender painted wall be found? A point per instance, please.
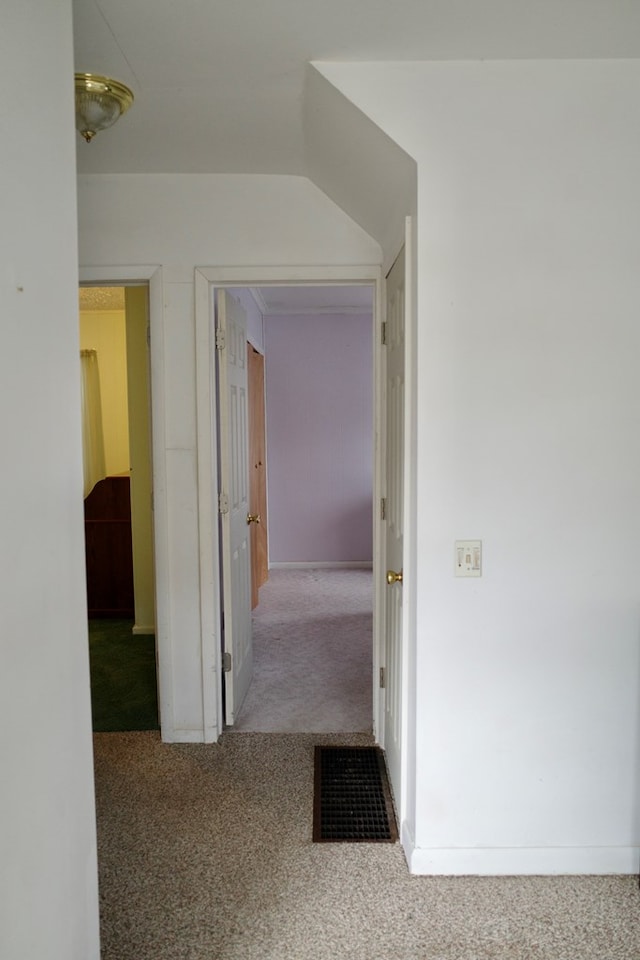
(319, 390)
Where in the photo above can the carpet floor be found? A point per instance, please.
(312, 652)
(206, 853)
(123, 677)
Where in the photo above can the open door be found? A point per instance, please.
(395, 381)
(231, 344)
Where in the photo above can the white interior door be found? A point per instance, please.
(395, 395)
(231, 343)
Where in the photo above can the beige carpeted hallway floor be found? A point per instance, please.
(205, 852)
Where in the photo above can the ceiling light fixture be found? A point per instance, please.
(99, 103)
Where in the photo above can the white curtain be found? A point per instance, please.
(92, 434)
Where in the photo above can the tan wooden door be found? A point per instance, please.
(257, 474)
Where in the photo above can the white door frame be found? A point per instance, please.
(206, 279)
(122, 276)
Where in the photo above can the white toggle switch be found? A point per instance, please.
(468, 558)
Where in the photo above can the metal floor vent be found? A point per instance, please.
(352, 800)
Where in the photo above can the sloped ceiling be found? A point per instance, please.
(220, 84)
(356, 164)
(329, 298)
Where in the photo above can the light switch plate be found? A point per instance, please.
(468, 558)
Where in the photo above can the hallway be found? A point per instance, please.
(205, 853)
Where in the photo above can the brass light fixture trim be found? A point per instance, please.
(100, 101)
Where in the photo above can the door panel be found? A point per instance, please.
(234, 500)
(257, 473)
(395, 394)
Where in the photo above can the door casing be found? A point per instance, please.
(206, 278)
(206, 281)
(152, 275)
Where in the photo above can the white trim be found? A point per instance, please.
(379, 490)
(409, 585)
(321, 565)
(143, 630)
(188, 735)
(523, 861)
(290, 276)
(248, 277)
(118, 275)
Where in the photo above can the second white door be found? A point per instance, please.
(395, 396)
(231, 344)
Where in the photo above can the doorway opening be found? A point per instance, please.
(118, 506)
(313, 627)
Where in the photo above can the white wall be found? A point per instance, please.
(48, 874)
(528, 347)
(358, 165)
(178, 223)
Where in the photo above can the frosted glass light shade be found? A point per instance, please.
(99, 103)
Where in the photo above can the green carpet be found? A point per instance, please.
(123, 677)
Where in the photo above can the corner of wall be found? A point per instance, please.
(357, 165)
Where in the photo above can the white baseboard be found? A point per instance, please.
(322, 564)
(143, 630)
(523, 861)
(189, 736)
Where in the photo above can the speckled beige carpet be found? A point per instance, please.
(205, 853)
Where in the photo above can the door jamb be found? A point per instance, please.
(206, 279)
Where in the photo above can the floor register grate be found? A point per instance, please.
(352, 799)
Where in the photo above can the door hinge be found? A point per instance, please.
(383, 333)
(383, 678)
(220, 339)
(226, 662)
(383, 508)
(223, 503)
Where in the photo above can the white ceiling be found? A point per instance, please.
(219, 84)
(305, 299)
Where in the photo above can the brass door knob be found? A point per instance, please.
(393, 577)
(253, 518)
